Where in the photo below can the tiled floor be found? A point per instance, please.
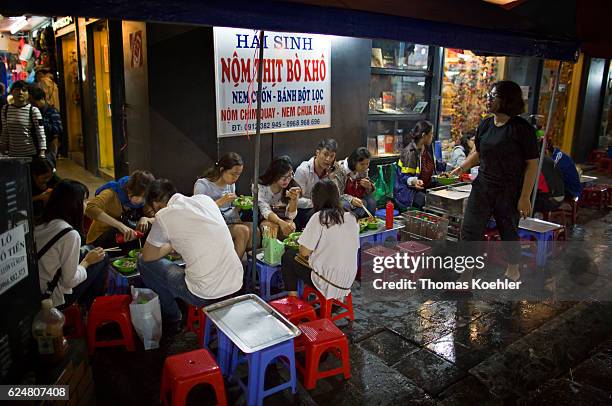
(68, 169)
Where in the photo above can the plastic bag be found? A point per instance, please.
(145, 313)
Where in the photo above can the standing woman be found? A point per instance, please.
(417, 165)
(507, 151)
(64, 276)
(119, 206)
(219, 183)
(328, 248)
(277, 197)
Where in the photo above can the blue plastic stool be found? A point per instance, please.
(382, 213)
(544, 244)
(258, 363)
(117, 284)
(269, 276)
(225, 347)
(386, 235)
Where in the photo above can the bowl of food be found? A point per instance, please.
(244, 202)
(295, 235)
(125, 265)
(174, 256)
(363, 225)
(446, 179)
(289, 243)
(134, 253)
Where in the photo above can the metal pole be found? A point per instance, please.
(256, 168)
(551, 108)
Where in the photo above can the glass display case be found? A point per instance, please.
(400, 93)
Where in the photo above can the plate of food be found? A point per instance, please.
(370, 223)
(125, 265)
(174, 256)
(244, 202)
(134, 253)
(446, 178)
(289, 243)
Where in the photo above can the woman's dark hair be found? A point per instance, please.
(20, 84)
(277, 169)
(226, 162)
(463, 141)
(326, 200)
(139, 182)
(329, 144)
(37, 93)
(357, 156)
(66, 203)
(421, 129)
(159, 191)
(40, 166)
(550, 147)
(510, 98)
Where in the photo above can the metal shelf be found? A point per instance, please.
(395, 117)
(400, 72)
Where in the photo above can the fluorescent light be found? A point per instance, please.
(18, 25)
(420, 83)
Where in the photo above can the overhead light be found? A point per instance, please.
(19, 23)
(500, 2)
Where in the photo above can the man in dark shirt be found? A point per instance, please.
(52, 121)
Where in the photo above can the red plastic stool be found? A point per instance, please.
(558, 216)
(326, 305)
(595, 156)
(184, 371)
(74, 327)
(318, 337)
(294, 309)
(604, 164)
(572, 211)
(196, 320)
(110, 309)
(596, 195)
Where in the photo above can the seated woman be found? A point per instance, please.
(43, 181)
(277, 197)
(461, 150)
(417, 165)
(356, 189)
(328, 248)
(219, 183)
(118, 207)
(62, 277)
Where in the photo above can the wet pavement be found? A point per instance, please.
(430, 350)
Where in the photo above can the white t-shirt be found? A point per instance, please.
(334, 253)
(196, 230)
(63, 254)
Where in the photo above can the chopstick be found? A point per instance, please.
(367, 211)
(113, 249)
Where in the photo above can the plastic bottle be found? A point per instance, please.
(389, 215)
(48, 331)
(120, 239)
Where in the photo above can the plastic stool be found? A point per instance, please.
(74, 327)
(116, 284)
(382, 213)
(184, 371)
(595, 155)
(198, 323)
(604, 164)
(556, 215)
(318, 337)
(596, 195)
(326, 305)
(544, 244)
(258, 363)
(573, 209)
(294, 309)
(107, 309)
(267, 275)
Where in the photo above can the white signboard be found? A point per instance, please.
(13, 258)
(296, 90)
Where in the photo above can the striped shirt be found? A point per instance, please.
(17, 126)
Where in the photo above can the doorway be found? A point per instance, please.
(72, 92)
(106, 162)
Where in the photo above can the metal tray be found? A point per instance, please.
(537, 225)
(251, 323)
